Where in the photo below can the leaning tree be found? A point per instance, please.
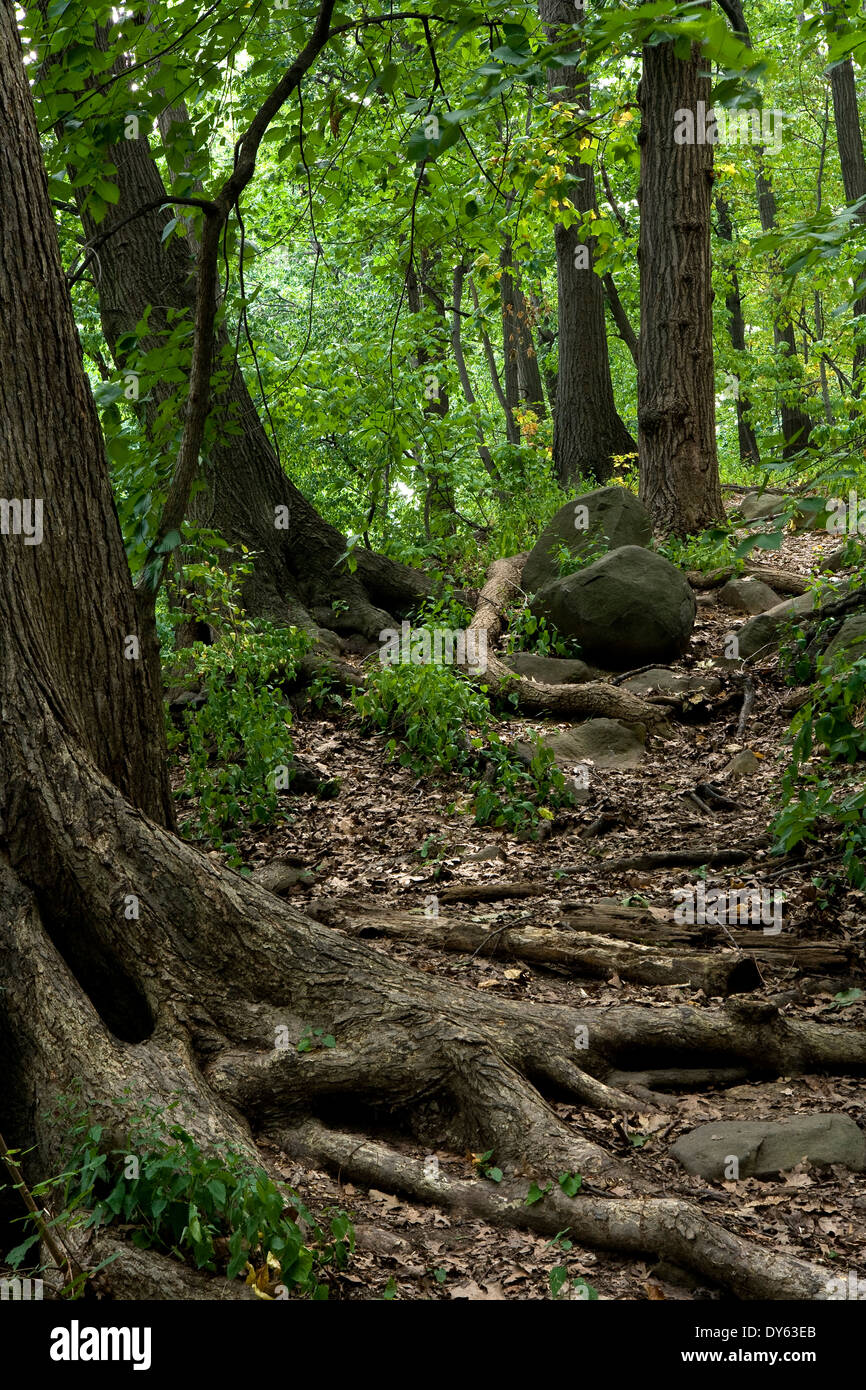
(180, 1002)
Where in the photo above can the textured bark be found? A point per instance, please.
(510, 377)
(588, 432)
(679, 471)
(587, 956)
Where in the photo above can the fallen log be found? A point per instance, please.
(782, 581)
(638, 925)
(722, 972)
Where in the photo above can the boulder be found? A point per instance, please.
(551, 670)
(850, 638)
(603, 742)
(748, 595)
(757, 506)
(661, 681)
(763, 1147)
(610, 515)
(764, 629)
(742, 764)
(627, 609)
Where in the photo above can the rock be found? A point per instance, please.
(850, 637)
(747, 595)
(604, 742)
(627, 609)
(764, 1148)
(660, 681)
(480, 855)
(551, 670)
(765, 629)
(279, 877)
(743, 764)
(845, 556)
(756, 506)
(613, 515)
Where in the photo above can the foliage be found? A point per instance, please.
(441, 724)
(238, 746)
(215, 1211)
(832, 720)
(714, 548)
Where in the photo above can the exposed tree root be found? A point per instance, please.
(215, 981)
(783, 581)
(595, 699)
(667, 1227)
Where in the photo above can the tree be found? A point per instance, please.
(588, 432)
(849, 139)
(679, 470)
(146, 277)
(142, 973)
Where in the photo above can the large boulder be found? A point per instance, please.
(850, 638)
(610, 516)
(628, 609)
(763, 1148)
(764, 631)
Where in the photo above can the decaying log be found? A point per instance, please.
(594, 957)
(782, 581)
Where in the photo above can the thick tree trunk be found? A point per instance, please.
(588, 432)
(679, 471)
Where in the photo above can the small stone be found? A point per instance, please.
(743, 764)
(747, 595)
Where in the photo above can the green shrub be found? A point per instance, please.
(216, 1212)
(832, 720)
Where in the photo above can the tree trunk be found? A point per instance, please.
(297, 570)
(511, 382)
(853, 165)
(588, 432)
(749, 451)
(679, 471)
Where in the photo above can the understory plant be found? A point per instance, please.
(439, 723)
(831, 721)
(238, 744)
(214, 1211)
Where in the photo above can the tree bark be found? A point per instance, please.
(679, 471)
(850, 142)
(588, 432)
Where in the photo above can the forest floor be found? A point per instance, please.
(390, 842)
